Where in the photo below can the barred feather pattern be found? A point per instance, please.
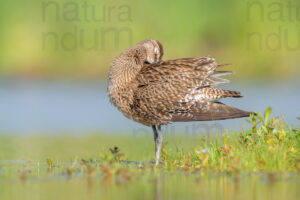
(174, 91)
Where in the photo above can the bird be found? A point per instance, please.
(154, 92)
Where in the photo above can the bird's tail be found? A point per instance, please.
(208, 111)
(216, 93)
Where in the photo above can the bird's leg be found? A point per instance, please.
(158, 142)
(159, 128)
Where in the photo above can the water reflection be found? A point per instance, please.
(136, 183)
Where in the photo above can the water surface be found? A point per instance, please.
(43, 107)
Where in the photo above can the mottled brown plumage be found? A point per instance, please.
(176, 90)
(155, 92)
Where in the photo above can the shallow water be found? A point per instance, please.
(44, 107)
(34, 180)
(84, 167)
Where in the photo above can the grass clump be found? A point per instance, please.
(269, 146)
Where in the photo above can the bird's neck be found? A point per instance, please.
(125, 67)
(120, 77)
(123, 70)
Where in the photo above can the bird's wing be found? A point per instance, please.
(188, 72)
(207, 111)
(163, 90)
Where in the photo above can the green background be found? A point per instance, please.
(260, 38)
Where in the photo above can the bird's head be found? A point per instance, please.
(154, 51)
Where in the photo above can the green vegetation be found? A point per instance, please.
(80, 38)
(269, 147)
(260, 163)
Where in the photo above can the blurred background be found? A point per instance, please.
(55, 55)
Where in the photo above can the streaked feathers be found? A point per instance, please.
(174, 91)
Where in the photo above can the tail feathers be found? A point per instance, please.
(216, 81)
(221, 65)
(221, 73)
(230, 93)
(213, 94)
(208, 111)
(214, 77)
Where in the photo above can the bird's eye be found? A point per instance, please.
(156, 51)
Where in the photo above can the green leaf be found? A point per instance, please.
(268, 112)
(260, 118)
(247, 120)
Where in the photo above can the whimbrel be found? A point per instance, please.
(155, 92)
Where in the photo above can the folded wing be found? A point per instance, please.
(182, 90)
